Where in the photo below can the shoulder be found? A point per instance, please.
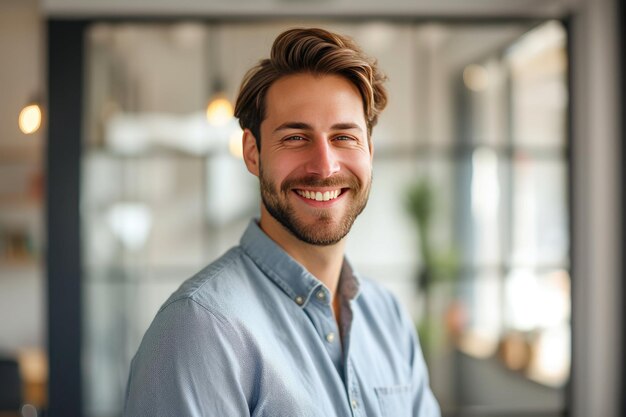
(194, 334)
(225, 279)
(185, 343)
(208, 303)
(225, 298)
(194, 323)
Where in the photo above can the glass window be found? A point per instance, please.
(466, 222)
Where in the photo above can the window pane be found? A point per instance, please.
(145, 210)
(538, 65)
(539, 210)
(485, 205)
(538, 307)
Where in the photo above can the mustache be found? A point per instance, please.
(315, 181)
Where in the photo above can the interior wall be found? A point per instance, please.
(21, 283)
(597, 243)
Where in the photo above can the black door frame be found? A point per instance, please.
(63, 251)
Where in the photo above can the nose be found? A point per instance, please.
(322, 159)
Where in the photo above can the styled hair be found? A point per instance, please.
(315, 51)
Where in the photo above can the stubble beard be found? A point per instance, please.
(324, 230)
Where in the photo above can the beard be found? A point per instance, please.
(324, 230)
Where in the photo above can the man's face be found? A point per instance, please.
(315, 164)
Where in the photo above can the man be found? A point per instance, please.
(281, 325)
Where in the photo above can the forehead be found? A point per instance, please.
(313, 99)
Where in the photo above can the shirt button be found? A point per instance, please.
(299, 300)
(330, 337)
(321, 295)
(354, 404)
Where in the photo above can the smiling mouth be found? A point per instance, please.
(318, 195)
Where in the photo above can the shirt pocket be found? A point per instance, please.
(395, 400)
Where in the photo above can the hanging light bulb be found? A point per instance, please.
(29, 119)
(476, 77)
(219, 110)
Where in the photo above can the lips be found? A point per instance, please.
(321, 190)
(319, 195)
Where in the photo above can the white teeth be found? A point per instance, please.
(319, 196)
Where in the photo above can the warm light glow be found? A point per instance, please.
(476, 77)
(30, 119)
(235, 145)
(219, 111)
(478, 344)
(551, 361)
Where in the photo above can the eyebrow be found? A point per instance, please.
(306, 126)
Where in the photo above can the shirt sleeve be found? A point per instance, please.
(189, 363)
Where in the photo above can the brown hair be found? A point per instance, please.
(315, 51)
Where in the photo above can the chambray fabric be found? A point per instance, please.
(253, 334)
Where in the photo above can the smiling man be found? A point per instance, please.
(281, 325)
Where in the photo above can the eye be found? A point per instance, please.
(344, 138)
(294, 138)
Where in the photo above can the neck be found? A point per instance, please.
(323, 262)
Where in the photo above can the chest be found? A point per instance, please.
(302, 371)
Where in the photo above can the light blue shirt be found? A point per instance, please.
(253, 334)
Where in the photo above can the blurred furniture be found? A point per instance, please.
(11, 387)
(33, 364)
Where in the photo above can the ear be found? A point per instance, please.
(370, 144)
(250, 152)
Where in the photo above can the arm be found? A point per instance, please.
(188, 364)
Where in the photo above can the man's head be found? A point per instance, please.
(314, 51)
(307, 114)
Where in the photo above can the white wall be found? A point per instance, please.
(597, 188)
(21, 69)
(22, 323)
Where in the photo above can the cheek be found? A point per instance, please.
(288, 165)
(278, 169)
(361, 167)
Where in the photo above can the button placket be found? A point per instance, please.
(354, 393)
(329, 329)
(321, 315)
(354, 404)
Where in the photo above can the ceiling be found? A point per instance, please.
(443, 9)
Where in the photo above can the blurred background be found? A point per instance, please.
(495, 215)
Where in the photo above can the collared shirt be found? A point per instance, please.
(253, 334)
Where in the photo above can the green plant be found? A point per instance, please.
(437, 265)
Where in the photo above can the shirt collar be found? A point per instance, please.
(298, 283)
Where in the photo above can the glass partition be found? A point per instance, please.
(467, 221)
